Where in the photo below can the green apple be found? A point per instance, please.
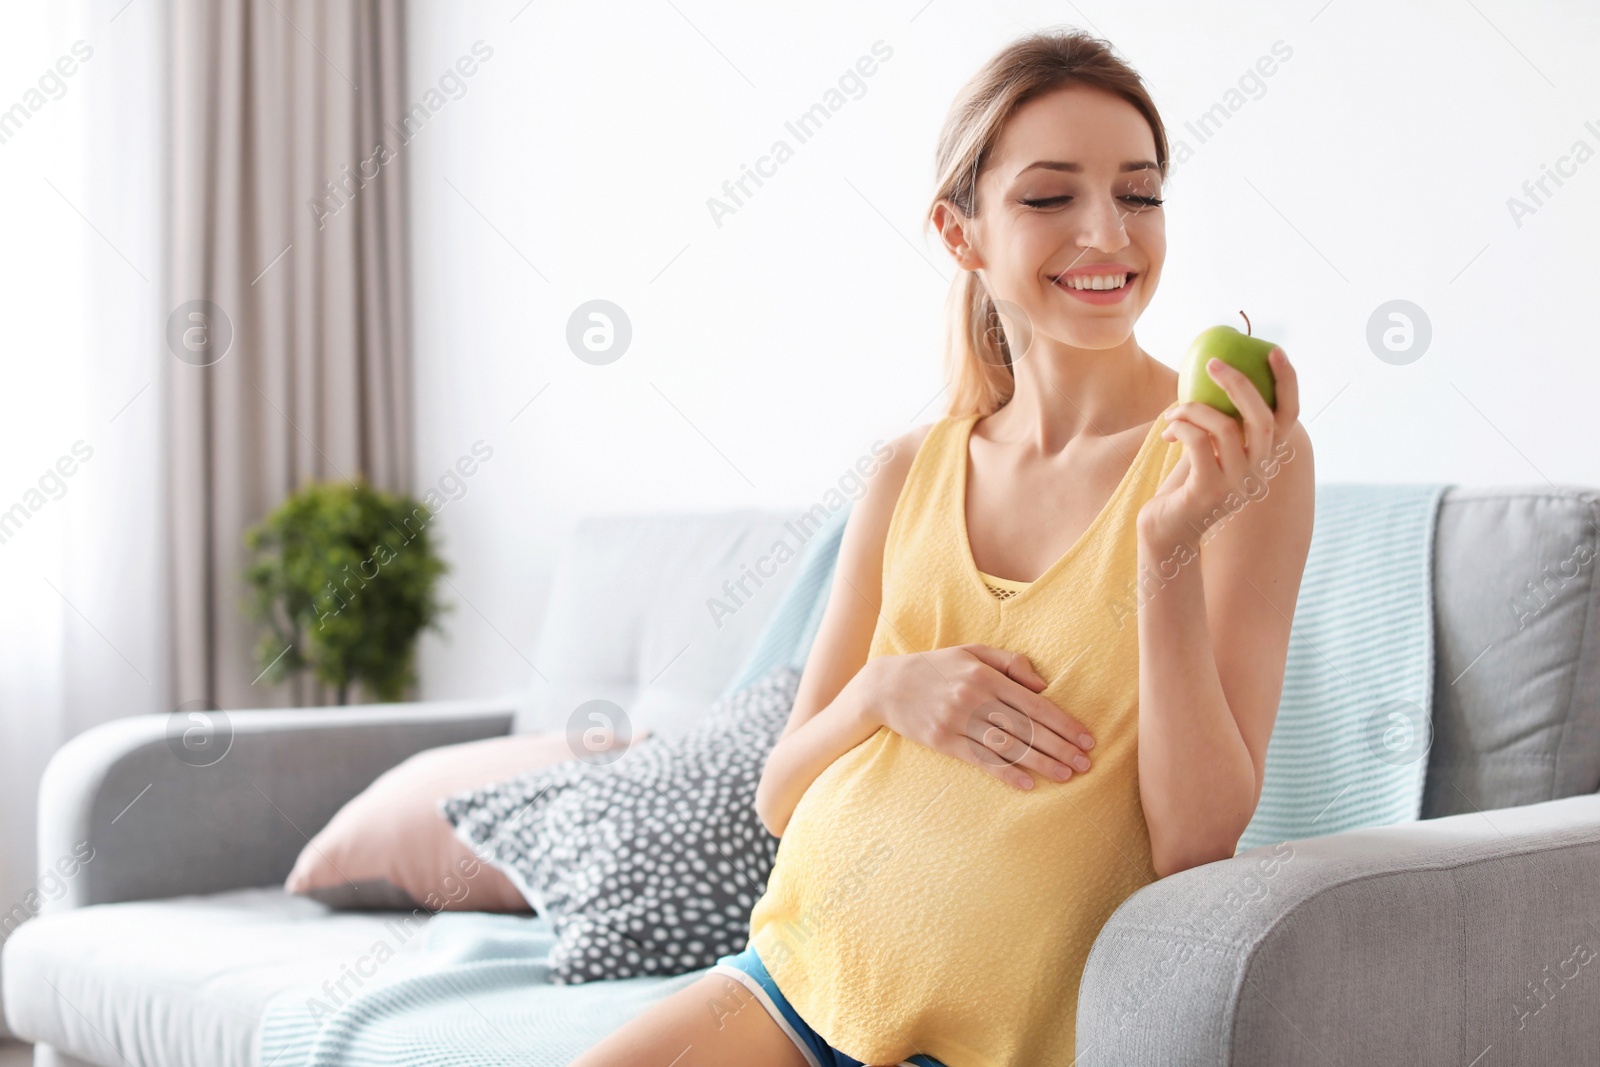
(1236, 349)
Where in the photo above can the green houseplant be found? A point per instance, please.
(343, 579)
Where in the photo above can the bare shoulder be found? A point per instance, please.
(884, 485)
(891, 476)
(1290, 491)
(861, 549)
(844, 636)
(1298, 444)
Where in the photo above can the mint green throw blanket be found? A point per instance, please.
(474, 991)
(1350, 746)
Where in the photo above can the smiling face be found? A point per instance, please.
(1069, 223)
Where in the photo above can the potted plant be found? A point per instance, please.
(343, 578)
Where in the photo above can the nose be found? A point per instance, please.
(1102, 227)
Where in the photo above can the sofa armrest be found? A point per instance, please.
(1428, 942)
(126, 814)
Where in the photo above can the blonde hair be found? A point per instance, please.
(977, 354)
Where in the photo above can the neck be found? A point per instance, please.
(1064, 392)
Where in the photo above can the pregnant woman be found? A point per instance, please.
(1053, 651)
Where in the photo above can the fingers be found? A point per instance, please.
(1197, 449)
(1259, 420)
(1013, 665)
(1047, 714)
(1227, 435)
(1016, 728)
(1038, 708)
(1287, 386)
(1179, 474)
(975, 754)
(1007, 743)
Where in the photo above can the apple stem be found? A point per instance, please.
(1246, 319)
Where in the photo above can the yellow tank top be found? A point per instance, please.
(919, 904)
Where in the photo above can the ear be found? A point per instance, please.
(956, 236)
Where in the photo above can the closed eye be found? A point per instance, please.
(1052, 201)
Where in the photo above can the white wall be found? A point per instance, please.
(768, 353)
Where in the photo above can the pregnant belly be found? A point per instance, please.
(915, 890)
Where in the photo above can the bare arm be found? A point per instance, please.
(827, 720)
(1214, 621)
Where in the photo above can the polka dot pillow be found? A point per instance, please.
(648, 865)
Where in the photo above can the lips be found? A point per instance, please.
(1094, 282)
(1100, 283)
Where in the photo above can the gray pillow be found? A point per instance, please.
(649, 865)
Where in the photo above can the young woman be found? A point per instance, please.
(1054, 647)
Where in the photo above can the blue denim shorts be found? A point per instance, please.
(746, 968)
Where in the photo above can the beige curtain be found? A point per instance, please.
(287, 282)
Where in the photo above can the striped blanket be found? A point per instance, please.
(1350, 747)
(475, 991)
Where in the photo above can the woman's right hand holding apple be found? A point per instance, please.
(978, 703)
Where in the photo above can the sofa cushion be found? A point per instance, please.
(1516, 706)
(655, 613)
(645, 862)
(184, 982)
(388, 848)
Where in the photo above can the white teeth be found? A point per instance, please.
(1096, 281)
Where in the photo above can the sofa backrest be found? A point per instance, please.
(1516, 695)
(1516, 691)
(655, 613)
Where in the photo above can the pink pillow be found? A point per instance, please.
(389, 847)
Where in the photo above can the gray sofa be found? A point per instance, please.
(1466, 939)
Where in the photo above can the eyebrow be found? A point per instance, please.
(1077, 168)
